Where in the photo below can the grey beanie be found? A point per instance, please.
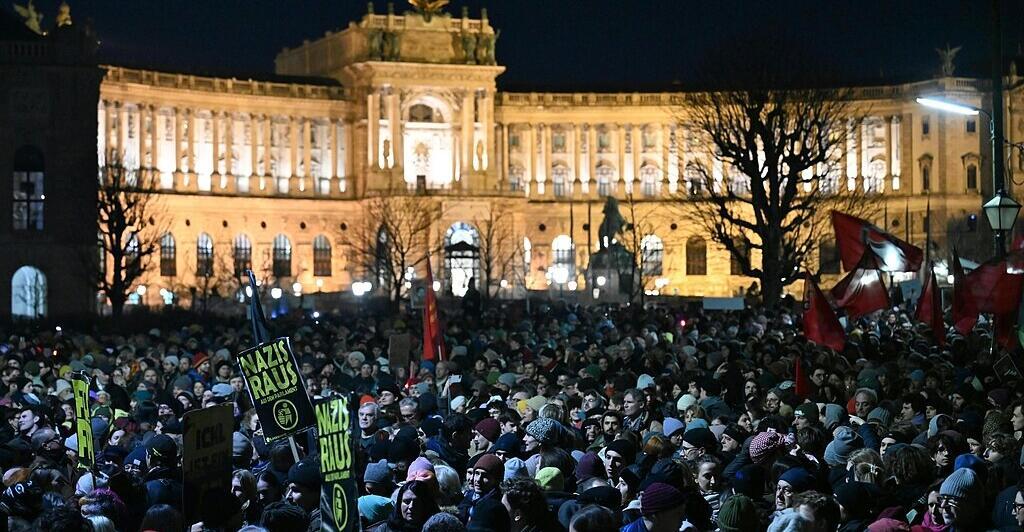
(844, 441)
(378, 473)
(962, 484)
(834, 415)
(443, 522)
(545, 430)
(881, 415)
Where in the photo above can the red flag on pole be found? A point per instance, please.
(821, 325)
(993, 289)
(861, 292)
(433, 342)
(856, 238)
(965, 312)
(929, 308)
(803, 385)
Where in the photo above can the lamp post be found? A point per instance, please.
(999, 207)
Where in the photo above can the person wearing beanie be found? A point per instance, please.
(795, 480)
(857, 502)
(738, 514)
(303, 488)
(542, 432)
(766, 445)
(378, 479)
(961, 498)
(163, 477)
(550, 479)
(590, 466)
(618, 454)
(489, 515)
(484, 479)
(881, 418)
(516, 468)
(662, 508)
(508, 445)
(443, 522)
(374, 509)
(844, 441)
(697, 443)
(485, 434)
(806, 415)
(673, 429)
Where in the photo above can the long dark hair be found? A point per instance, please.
(426, 502)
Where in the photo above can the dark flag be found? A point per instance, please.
(929, 307)
(857, 238)
(821, 325)
(258, 320)
(861, 292)
(803, 384)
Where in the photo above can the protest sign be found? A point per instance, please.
(398, 350)
(83, 421)
(206, 455)
(338, 492)
(275, 386)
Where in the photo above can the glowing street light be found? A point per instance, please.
(948, 106)
(141, 290)
(275, 293)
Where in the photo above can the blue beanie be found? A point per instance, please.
(799, 478)
(844, 442)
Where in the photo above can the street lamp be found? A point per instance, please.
(999, 202)
(1001, 212)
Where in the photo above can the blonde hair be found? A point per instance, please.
(867, 466)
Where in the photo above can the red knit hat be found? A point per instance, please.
(659, 497)
(489, 428)
(492, 465)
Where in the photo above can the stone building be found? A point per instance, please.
(273, 174)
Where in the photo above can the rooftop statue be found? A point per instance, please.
(947, 57)
(32, 17)
(63, 15)
(428, 8)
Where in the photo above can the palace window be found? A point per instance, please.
(421, 113)
(605, 180)
(652, 253)
(694, 180)
(282, 265)
(242, 255)
(604, 141)
(926, 127)
(28, 189)
(738, 263)
(971, 126)
(558, 142)
(28, 293)
(828, 257)
(563, 267)
(168, 256)
(926, 178)
(204, 256)
(321, 256)
(560, 178)
(696, 256)
(515, 178)
(649, 139)
(649, 180)
(972, 177)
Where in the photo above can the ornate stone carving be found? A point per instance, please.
(947, 56)
(469, 48)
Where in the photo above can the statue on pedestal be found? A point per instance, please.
(612, 224)
(947, 56)
(469, 48)
(375, 45)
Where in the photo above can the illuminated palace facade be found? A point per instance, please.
(272, 173)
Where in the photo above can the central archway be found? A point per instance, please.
(462, 257)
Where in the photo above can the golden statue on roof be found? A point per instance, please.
(32, 17)
(428, 8)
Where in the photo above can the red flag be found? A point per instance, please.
(856, 238)
(965, 311)
(821, 325)
(433, 342)
(929, 308)
(993, 289)
(803, 385)
(861, 291)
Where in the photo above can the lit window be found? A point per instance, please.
(168, 256)
(563, 267)
(28, 189)
(321, 256)
(282, 256)
(651, 256)
(204, 255)
(696, 256)
(242, 255)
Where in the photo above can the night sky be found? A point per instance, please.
(578, 44)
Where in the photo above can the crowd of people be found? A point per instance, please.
(561, 418)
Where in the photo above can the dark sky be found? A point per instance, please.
(577, 44)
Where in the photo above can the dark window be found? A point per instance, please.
(168, 256)
(696, 256)
(242, 255)
(321, 256)
(653, 255)
(828, 257)
(972, 177)
(204, 255)
(282, 256)
(28, 189)
(926, 178)
(972, 126)
(737, 263)
(925, 127)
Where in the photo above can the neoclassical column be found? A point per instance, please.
(179, 154)
(592, 156)
(372, 128)
(894, 151)
(861, 154)
(395, 123)
(621, 145)
(488, 110)
(673, 157)
(637, 149)
(121, 116)
(348, 155)
(268, 185)
(332, 137)
(308, 181)
(531, 155)
(154, 143)
(664, 140)
(215, 150)
(545, 164)
(190, 151)
(504, 153)
(574, 154)
(230, 180)
(466, 146)
(254, 151)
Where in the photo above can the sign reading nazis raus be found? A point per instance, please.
(276, 389)
(338, 492)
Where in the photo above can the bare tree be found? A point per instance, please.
(129, 228)
(501, 249)
(393, 236)
(772, 175)
(645, 257)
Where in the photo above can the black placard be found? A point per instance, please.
(275, 386)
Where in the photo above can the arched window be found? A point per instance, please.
(321, 256)
(737, 264)
(242, 255)
(696, 256)
(649, 180)
(28, 189)
(462, 257)
(828, 257)
(560, 180)
(282, 256)
(605, 180)
(563, 264)
(422, 112)
(204, 255)
(168, 256)
(28, 293)
(558, 141)
(515, 178)
(652, 253)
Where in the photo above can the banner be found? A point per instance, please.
(206, 455)
(275, 386)
(338, 492)
(83, 421)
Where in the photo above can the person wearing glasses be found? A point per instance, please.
(961, 501)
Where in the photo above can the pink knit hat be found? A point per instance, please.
(764, 445)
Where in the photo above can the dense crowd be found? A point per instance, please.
(586, 419)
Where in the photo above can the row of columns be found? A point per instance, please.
(146, 155)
